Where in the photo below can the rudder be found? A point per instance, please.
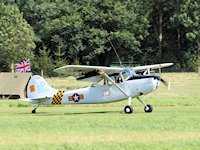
(38, 88)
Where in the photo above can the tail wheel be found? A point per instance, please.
(148, 108)
(33, 111)
(128, 109)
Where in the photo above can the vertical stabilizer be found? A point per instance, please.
(38, 88)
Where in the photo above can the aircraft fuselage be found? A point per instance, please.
(104, 93)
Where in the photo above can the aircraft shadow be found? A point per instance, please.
(73, 113)
(96, 112)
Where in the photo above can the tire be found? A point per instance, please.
(128, 109)
(33, 111)
(148, 108)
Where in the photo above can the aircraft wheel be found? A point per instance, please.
(148, 108)
(128, 109)
(33, 111)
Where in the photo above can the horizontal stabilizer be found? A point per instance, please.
(36, 98)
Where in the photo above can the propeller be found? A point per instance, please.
(164, 82)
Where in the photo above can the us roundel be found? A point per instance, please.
(76, 97)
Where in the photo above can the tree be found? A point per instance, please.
(77, 24)
(124, 23)
(186, 19)
(58, 19)
(16, 37)
(45, 61)
(148, 31)
(159, 44)
(59, 54)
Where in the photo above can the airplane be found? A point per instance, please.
(109, 84)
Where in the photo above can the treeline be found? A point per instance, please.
(60, 32)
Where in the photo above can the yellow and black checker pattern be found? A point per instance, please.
(57, 98)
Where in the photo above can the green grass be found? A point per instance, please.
(174, 123)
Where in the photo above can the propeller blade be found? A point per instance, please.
(164, 82)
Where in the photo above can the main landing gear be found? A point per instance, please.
(34, 110)
(129, 109)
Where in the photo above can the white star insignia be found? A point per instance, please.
(76, 98)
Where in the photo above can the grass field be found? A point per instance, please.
(174, 123)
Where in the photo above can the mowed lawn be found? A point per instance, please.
(174, 123)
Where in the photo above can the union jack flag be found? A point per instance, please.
(23, 66)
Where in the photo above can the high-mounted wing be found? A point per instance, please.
(72, 69)
(87, 73)
(156, 66)
(91, 73)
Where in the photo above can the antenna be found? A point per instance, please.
(113, 49)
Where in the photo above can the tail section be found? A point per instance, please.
(39, 88)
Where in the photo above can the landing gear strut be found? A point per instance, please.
(147, 107)
(128, 109)
(34, 110)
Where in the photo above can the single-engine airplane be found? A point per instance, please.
(109, 84)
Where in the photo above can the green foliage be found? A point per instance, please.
(78, 32)
(45, 61)
(198, 62)
(59, 54)
(187, 18)
(188, 15)
(121, 22)
(77, 25)
(16, 36)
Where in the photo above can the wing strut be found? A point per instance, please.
(117, 86)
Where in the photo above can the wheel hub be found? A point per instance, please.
(146, 108)
(128, 110)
